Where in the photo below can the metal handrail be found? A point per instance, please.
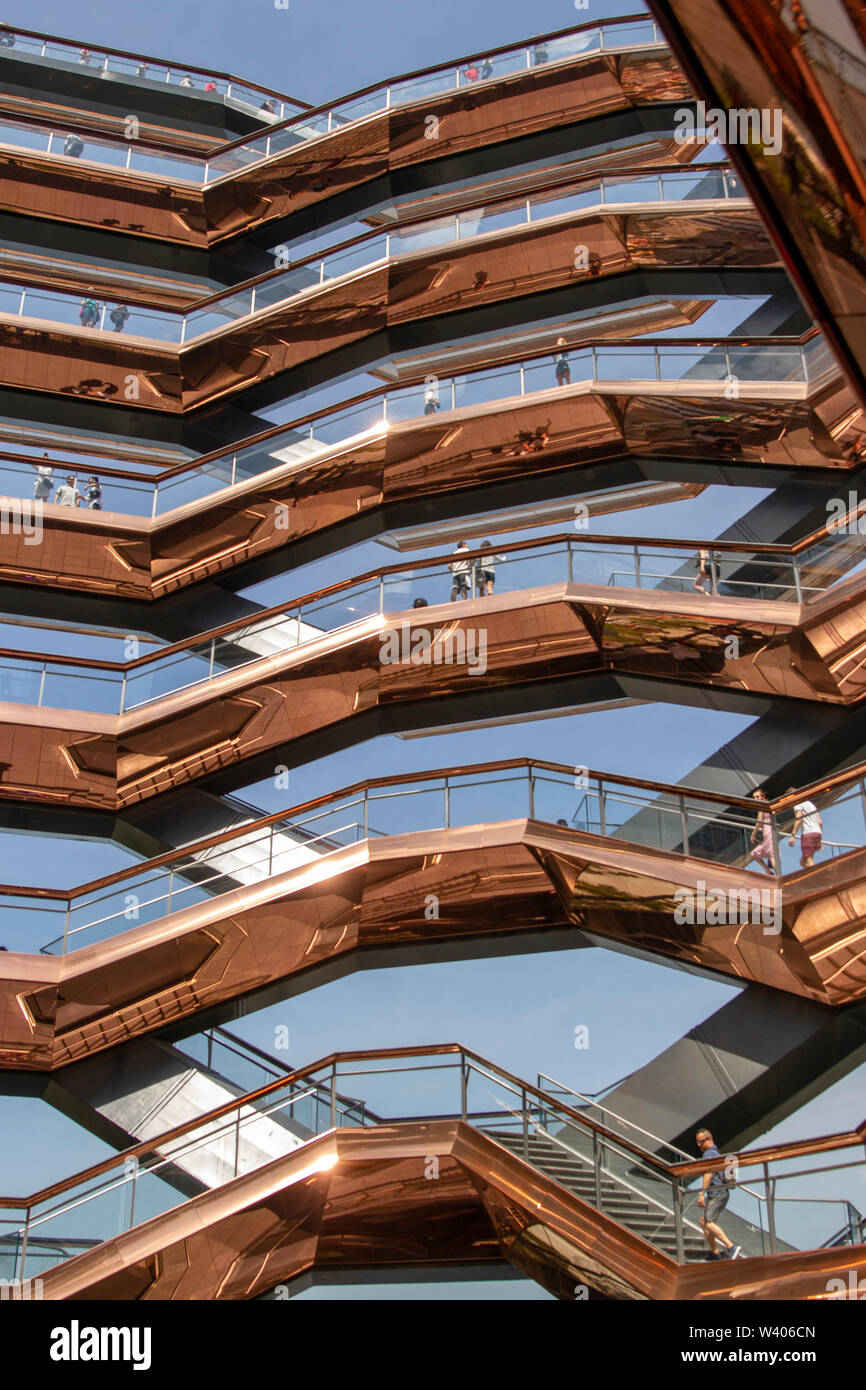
(319, 258)
(251, 624)
(464, 1057)
(362, 789)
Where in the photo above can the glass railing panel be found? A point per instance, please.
(574, 45)
(819, 358)
(779, 363)
(163, 677)
(644, 189)
(20, 680)
(710, 830)
(761, 577)
(686, 185)
(417, 88)
(67, 688)
(338, 610)
(409, 808)
(219, 313)
(27, 923)
(104, 1208)
(494, 219)
(626, 364)
(480, 797)
(554, 797)
(354, 258)
(558, 203)
(692, 363)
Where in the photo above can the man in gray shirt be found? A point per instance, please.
(67, 495)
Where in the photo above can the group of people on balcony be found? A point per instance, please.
(66, 494)
(807, 825)
(484, 567)
(91, 310)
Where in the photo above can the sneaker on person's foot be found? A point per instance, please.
(735, 1252)
(715, 1255)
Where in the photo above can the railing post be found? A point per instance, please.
(23, 1254)
(531, 794)
(777, 860)
(237, 1141)
(658, 361)
(798, 586)
(522, 379)
(770, 1188)
(334, 1096)
(684, 823)
(447, 789)
(66, 926)
(596, 1170)
(714, 573)
(42, 683)
(678, 1220)
(570, 561)
(525, 1124)
(210, 664)
(170, 887)
(366, 812)
(602, 828)
(464, 1088)
(636, 567)
(122, 705)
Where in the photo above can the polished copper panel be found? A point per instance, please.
(470, 118)
(786, 650)
(496, 884)
(805, 63)
(371, 1204)
(490, 269)
(474, 447)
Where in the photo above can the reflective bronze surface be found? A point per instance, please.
(356, 1199)
(494, 268)
(805, 63)
(769, 427)
(179, 212)
(324, 687)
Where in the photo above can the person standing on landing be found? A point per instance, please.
(807, 819)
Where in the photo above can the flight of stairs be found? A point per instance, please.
(618, 1201)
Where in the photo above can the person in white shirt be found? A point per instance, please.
(67, 495)
(44, 481)
(460, 568)
(807, 824)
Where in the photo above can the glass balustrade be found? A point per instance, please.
(272, 110)
(24, 302)
(730, 573)
(780, 1199)
(655, 818)
(298, 445)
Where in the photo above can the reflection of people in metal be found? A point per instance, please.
(485, 569)
(763, 831)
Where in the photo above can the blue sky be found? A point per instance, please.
(521, 1012)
